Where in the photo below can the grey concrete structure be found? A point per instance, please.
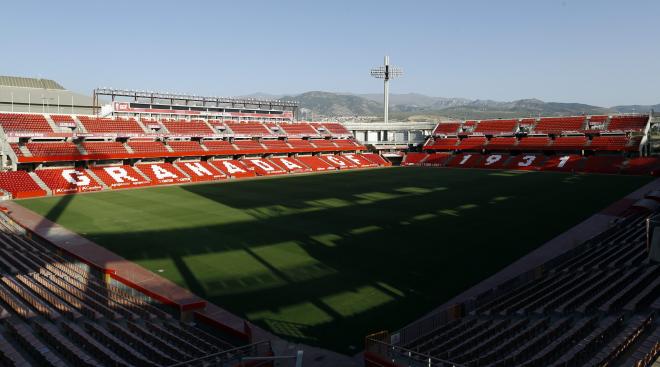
(394, 135)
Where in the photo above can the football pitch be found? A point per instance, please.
(326, 259)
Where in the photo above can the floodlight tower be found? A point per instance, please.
(386, 72)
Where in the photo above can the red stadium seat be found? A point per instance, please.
(472, 143)
(559, 124)
(68, 180)
(299, 129)
(249, 146)
(642, 166)
(603, 164)
(263, 167)
(526, 162)
(496, 126)
(378, 159)
(502, 143)
(111, 126)
(200, 171)
(276, 146)
(316, 163)
(186, 147)
(464, 160)
(324, 145)
(447, 128)
(187, 128)
(609, 142)
(569, 143)
(300, 145)
(249, 129)
(564, 162)
(437, 159)
(104, 149)
(52, 149)
(442, 144)
(117, 177)
(291, 164)
(359, 159)
(338, 161)
(162, 173)
(219, 147)
(414, 159)
(232, 168)
(628, 123)
(493, 161)
(24, 123)
(148, 148)
(534, 143)
(20, 185)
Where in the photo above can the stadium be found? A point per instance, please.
(142, 227)
(186, 230)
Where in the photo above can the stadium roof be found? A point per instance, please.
(17, 81)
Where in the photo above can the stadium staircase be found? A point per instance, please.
(79, 126)
(40, 183)
(97, 179)
(52, 123)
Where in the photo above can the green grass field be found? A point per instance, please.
(326, 259)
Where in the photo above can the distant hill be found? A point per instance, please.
(332, 104)
(637, 108)
(414, 106)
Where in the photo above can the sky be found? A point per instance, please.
(597, 52)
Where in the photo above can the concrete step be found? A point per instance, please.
(94, 176)
(41, 184)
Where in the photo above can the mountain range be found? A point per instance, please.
(418, 106)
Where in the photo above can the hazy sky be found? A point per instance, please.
(598, 52)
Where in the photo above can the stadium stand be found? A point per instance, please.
(232, 168)
(219, 147)
(187, 147)
(120, 176)
(263, 167)
(559, 124)
(627, 123)
(147, 148)
(496, 126)
(502, 143)
(57, 311)
(249, 146)
(200, 171)
(414, 159)
(104, 149)
(24, 123)
(20, 185)
(112, 126)
(596, 305)
(51, 149)
(316, 163)
(472, 143)
(248, 128)
(568, 143)
(188, 128)
(291, 164)
(447, 128)
(299, 129)
(534, 143)
(162, 173)
(442, 144)
(599, 151)
(68, 180)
